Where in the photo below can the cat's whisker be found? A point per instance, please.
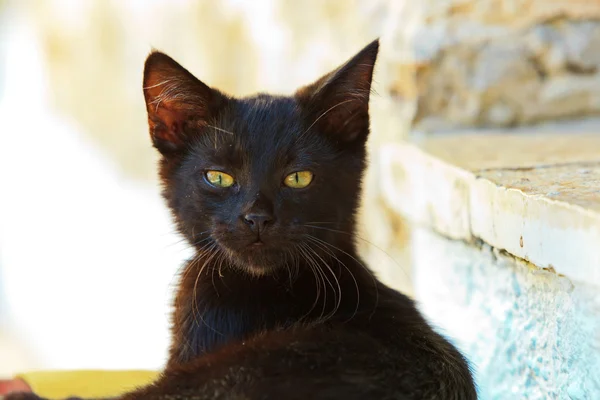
(183, 270)
(187, 241)
(220, 129)
(212, 277)
(213, 269)
(338, 294)
(325, 279)
(201, 241)
(196, 258)
(196, 242)
(321, 275)
(190, 265)
(295, 262)
(221, 265)
(360, 263)
(287, 253)
(302, 252)
(193, 263)
(312, 252)
(364, 240)
(195, 296)
(325, 113)
(340, 262)
(314, 272)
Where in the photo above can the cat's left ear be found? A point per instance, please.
(178, 104)
(338, 103)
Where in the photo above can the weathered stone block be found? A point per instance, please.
(493, 63)
(529, 333)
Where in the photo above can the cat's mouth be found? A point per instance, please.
(254, 253)
(257, 249)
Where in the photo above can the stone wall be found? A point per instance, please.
(494, 63)
(529, 332)
(530, 329)
(464, 64)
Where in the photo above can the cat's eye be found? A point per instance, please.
(298, 180)
(219, 179)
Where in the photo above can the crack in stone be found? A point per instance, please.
(480, 244)
(539, 166)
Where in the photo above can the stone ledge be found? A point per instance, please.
(535, 196)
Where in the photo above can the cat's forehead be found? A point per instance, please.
(259, 130)
(269, 114)
(263, 122)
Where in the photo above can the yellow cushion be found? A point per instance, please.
(61, 384)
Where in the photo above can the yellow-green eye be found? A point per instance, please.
(298, 180)
(219, 179)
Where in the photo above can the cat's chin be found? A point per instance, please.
(257, 260)
(257, 270)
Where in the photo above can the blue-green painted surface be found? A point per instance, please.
(529, 333)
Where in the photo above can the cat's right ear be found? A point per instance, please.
(178, 104)
(338, 102)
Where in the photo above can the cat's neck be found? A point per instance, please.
(217, 303)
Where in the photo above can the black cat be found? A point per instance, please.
(276, 303)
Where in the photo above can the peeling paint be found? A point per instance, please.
(529, 332)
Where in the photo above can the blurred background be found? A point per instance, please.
(88, 253)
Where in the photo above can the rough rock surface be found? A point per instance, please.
(494, 63)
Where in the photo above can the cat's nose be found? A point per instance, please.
(258, 221)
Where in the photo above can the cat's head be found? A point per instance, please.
(258, 178)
